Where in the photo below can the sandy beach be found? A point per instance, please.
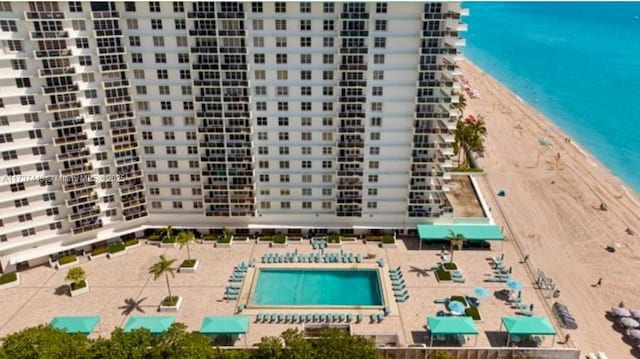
(552, 211)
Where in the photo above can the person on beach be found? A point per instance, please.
(598, 283)
(525, 259)
(566, 338)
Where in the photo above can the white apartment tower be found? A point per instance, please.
(121, 116)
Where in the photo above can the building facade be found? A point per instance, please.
(120, 116)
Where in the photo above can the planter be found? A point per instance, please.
(167, 245)
(192, 269)
(10, 284)
(388, 245)
(116, 254)
(97, 256)
(240, 240)
(294, 240)
(132, 244)
(224, 244)
(171, 308)
(66, 265)
(79, 291)
(280, 245)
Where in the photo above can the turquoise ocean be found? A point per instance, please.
(577, 63)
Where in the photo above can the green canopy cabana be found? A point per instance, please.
(155, 323)
(471, 232)
(81, 324)
(451, 326)
(527, 326)
(213, 325)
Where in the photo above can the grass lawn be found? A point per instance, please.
(443, 275)
(8, 278)
(170, 301)
(66, 260)
(473, 313)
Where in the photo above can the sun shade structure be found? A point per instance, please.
(155, 323)
(471, 232)
(224, 325)
(83, 325)
(527, 326)
(451, 326)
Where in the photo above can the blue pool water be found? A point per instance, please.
(578, 63)
(311, 287)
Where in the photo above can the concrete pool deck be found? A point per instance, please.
(42, 294)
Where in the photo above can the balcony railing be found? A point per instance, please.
(59, 71)
(38, 15)
(41, 54)
(64, 106)
(40, 35)
(59, 89)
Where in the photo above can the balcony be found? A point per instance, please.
(73, 154)
(81, 183)
(354, 172)
(119, 99)
(135, 213)
(64, 106)
(108, 33)
(119, 131)
(83, 168)
(133, 202)
(351, 144)
(42, 15)
(69, 122)
(84, 213)
(101, 15)
(353, 67)
(216, 199)
(129, 175)
(82, 200)
(203, 32)
(455, 42)
(354, 33)
(68, 139)
(113, 67)
(352, 99)
(351, 158)
(57, 53)
(60, 71)
(46, 90)
(44, 35)
(87, 227)
(123, 146)
(111, 50)
(120, 115)
(124, 189)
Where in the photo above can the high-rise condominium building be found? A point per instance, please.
(121, 116)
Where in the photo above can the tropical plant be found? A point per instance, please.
(76, 276)
(45, 342)
(163, 266)
(461, 105)
(439, 354)
(461, 141)
(168, 231)
(227, 233)
(177, 342)
(136, 344)
(469, 136)
(478, 131)
(184, 238)
(455, 240)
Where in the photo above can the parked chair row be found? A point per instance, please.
(239, 272)
(307, 318)
(457, 277)
(329, 257)
(318, 243)
(398, 284)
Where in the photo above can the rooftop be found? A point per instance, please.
(463, 198)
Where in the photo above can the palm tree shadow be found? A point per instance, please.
(421, 272)
(131, 304)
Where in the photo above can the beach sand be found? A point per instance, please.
(552, 211)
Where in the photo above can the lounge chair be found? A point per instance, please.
(349, 318)
(400, 294)
(234, 279)
(526, 313)
(359, 318)
(231, 296)
(399, 287)
(258, 317)
(397, 281)
(402, 299)
(231, 290)
(458, 280)
(295, 318)
(274, 317)
(380, 317)
(521, 306)
(309, 318)
(321, 317)
(280, 317)
(515, 300)
(373, 317)
(381, 262)
(335, 317)
(288, 318)
(473, 301)
(386, 310)
(441, 300)
(358, 258)
(315, 317)
(396, 269)
(241, 307)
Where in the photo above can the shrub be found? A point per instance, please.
(443, 275)
(224, 239)
(8, 278)
(170, 301)
(116, 247)
(473, 313)
(188, 263)
(171, 239)
(98, 251)
(154, 238)
(210, 237)
(131, 242)
(279, 238)
(450, 266)
(78, 285)
(374, 238)
(388, 239)
(333, 238)
(265, 238)
(67, 259)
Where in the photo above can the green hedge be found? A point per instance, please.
(388, 239)
(374, 238)
(171, 239)
(8, 278)
(131, 242)
(66, 260)
(210, 237)
(98, 251)
(154, 238)
(223, 239)
(116, 247)
(333, 238)
(170, 301)
(443, 275)
(473, 313)
(79, 285)
(265, 238)
(188, 263)
(279, 238)
(450, 266)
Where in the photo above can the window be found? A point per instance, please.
(14, 45)
(258, 42)
(261, 106)
(375, 136)
(328, 7)
(134, 40)
(165, 105)
(283, 106)
(377, 91)
(6, 7)
(282, 75)
(264, 178)
(281, 41)
(158, 41)
(305, 42)
(23, 82)
(305, 75)
(376, 121)
(373, 178)
(378, 75)
(78, 25)
(327, 59)
(372, 205)
(328, 25)
(258, 24)
(378, 59)
(187, 105)
(285, 179)
(132, 24)
(372, 191)
(27, 100)
(261, 121)
(84, 60)
(156, 24)
(19, 64)
(261, 90)
(305, 91)
(282, 91)
(305, 136)
(162, 74)
(82, 43)
(327, 41)
(284, 164)
(177, 204)
(281, 24)
(281, 7)
(169, 135)
(260, 75)
(306, 178)
(327, 91)
(381, 25)
(164, 90)
(285, 205)
(180, 24)
(281, 150)
(376, 106)
(306, 121)
(178, 6)
(258, 58)
(183, 58)
(186, 90)
(305, 58)
(380, 42)
(327, 75)
(374, 151)
(141, 90)
(154, 6)
(161, 58)
(305, 25)
(75, 6)
(185, 74)
(256, 7)
(281, 58)
(305, 106)
(305, 7)
(327, 121)
(130, 6)
(181, 41)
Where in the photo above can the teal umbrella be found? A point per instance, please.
(514, 284)
(456, 307)
(481, 292)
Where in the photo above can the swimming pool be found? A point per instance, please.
(316, 287)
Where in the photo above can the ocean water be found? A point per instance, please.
(578, 63)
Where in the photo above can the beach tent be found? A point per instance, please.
(83, 325)
(155, 323)
(451, 326)
(471, 232)
(527, 326)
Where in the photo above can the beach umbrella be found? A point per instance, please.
(634, 333)
(629, 322)
(544, 142)
(456, 307)
(514, 284)
(481, 292)
(635, 313)
(621, 312)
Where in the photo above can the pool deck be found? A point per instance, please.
(43, 292)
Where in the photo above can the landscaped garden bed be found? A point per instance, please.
(168, 242)
(209, 238)
(450, 266)
(66, 261)
(154, 239)
(116, 250)
(98, 252)
(473, 313)
(189, 266)
(279, 241)
(9, 280)
(443, 275)
(171, 304)
(388, 241)
(295, 239)
(224, 241)
(132, 243)
(334, 241)
(79, 288)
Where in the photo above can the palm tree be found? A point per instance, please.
(478, 131)
(163, 266)
(461, 105)
(167, 230)
(462, 141)
(455, 240)
(76, 276)
(184, 238)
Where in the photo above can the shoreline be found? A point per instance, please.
(552, 212)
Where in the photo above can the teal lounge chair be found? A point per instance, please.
(399, 287)
(309, 318)
(265, 317)
(335, 317)
(458, 280)
(280, 317)
(359, 318)
(441, 300)
(380, 317)
(396, 269)
(522, 306)
(398, 282)
(231, 296)
(258, 317)
(241, 308)
(386, 310)
(358, 258)
(373, 317)
(526, 313)
(274, 317)
(295, 318)
(402, 299)
(342, 317)
(288, 318)
(349, 318)
(233, 279)
(321, 317)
